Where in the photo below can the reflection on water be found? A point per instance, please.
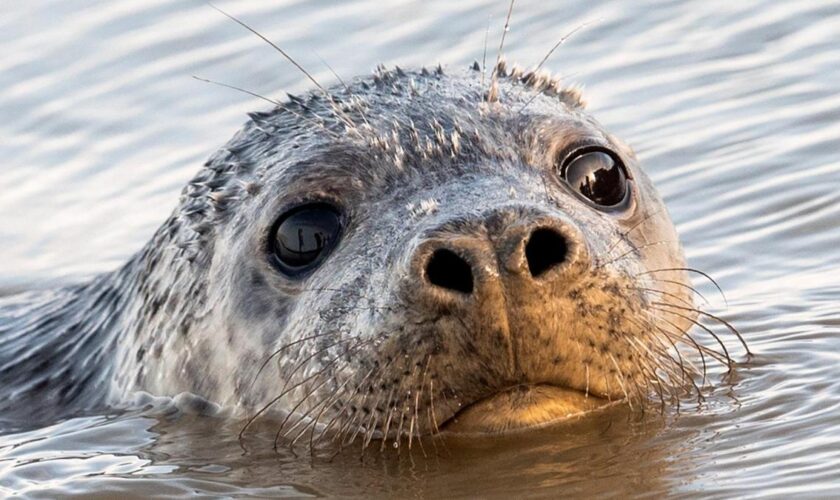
(733, 107)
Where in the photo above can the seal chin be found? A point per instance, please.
(522, 407)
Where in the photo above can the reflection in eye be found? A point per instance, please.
(304, 235)
(597, 175)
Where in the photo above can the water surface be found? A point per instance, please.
(734, 108)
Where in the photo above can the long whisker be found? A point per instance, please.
(289, 58)
(388, 422)
(343, 84)
(619, 376)
(279, 104)
(632, 228)
(285, 391)
(484, 57)
(311, 423)
(633, 250)
(561, 42)
(689, 270)
(684, 285)
(495, 73)
(661, 292)
(317, 374)
(286, 346)
(323, 405)
(339, 412)
(238, 89)
(346, 405)
(334, 72)
(685, 338)
(652, 375)
(729, 362)
(294, 409)
(272, 44)
(663, 352)
(720, 320)
(342, 431)
(682, 360)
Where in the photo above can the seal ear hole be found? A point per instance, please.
(447, 270)
(546, 249)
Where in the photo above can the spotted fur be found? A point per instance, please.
(362, 348)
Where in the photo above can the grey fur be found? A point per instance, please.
(362, 346)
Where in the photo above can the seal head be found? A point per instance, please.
(392, 253)
(413, 251)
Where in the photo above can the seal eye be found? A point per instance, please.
(597, 174)
(304, 236)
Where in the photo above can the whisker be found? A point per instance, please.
(321, 372)
(321, 405)
(388, 422)
(495, 73)
(339, 412)
(398, 435)
(690, 270)
(279, 104)
(586, 394)
(285, 391)
(683, 375)
(430, 415)
(720, 320)
(661, 292)
(664, 354)
(619, 380)
(341, 115)
(684, 285)
(484, 57)
(359, 427)
(334, 73)
(632, 228)
(272, 44)
(337, 416)
(729, 363)
(373, 421)
(238, 89)
(561, 42)
(324, 404)
(685, 338)
(286, 346)
(417, 395)
(652, 374)
(633, 250)
(343, 84)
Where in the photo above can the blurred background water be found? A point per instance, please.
(733, 107)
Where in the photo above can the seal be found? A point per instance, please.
(409, 252)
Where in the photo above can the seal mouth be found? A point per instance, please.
(523, 407)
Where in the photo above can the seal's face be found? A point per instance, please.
(410, 254)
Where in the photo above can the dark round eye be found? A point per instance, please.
(597, 174)
(304, 236)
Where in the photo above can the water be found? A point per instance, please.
(734, 108)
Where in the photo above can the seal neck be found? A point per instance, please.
(56, 349)
(76, 349)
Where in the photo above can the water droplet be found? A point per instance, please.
(396, 444)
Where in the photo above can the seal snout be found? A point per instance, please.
(469, 263)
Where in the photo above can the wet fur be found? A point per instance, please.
(355, 351)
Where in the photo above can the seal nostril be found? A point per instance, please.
(447, 270)
(545, 249)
